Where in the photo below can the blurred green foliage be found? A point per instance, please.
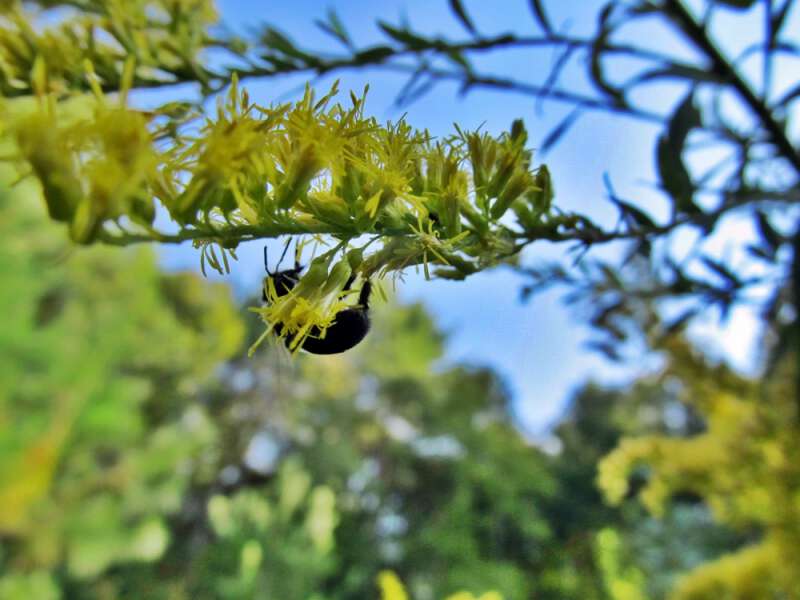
(144, 456)
(103, 358)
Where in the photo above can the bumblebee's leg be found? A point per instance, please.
(363, 296)
(297, 250)
(349, 283)
(266, 268)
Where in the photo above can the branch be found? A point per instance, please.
(722, 67)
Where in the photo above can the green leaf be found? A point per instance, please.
(458, 9)
(334, 27)
(685, 118)
(674, 71)
(404, 36)
(627, 210)
(376, 54)
(276, 40)
(537, 7)
(559, 130)
(641, 218)
(672, 170)
(459, 58)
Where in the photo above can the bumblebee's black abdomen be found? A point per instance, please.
(349, 328)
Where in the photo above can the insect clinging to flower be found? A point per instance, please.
(349, 325)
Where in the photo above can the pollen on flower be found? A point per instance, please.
(296, 317)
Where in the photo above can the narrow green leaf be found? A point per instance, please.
(459, 59)
(404, 36)
(334, 27)
(685, 118)
(675, 177)
(641, 218)
(458, 9)
(673, 71)
(672, 170)
(276, 40)
(376, 54)
(559, 130)
(537, 7)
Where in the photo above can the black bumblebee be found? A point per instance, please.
(350, 325)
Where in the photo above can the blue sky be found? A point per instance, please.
(536, 346)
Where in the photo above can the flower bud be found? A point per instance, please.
(295, 184)
(39, 144)
(355, 257)
(476, 156)
(518, 133)
(85, 224)
(450, 214)
(336, 279)
(542, 197)
(315, 277)
(519, 182)
(505, 169)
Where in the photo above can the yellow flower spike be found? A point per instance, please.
(310, 167)
(451, 213)
(468, 596)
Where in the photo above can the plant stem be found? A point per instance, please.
(697, 34)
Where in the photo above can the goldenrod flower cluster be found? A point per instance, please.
(315, 167)
(165, 37)
(746, 467)
(376, 197)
